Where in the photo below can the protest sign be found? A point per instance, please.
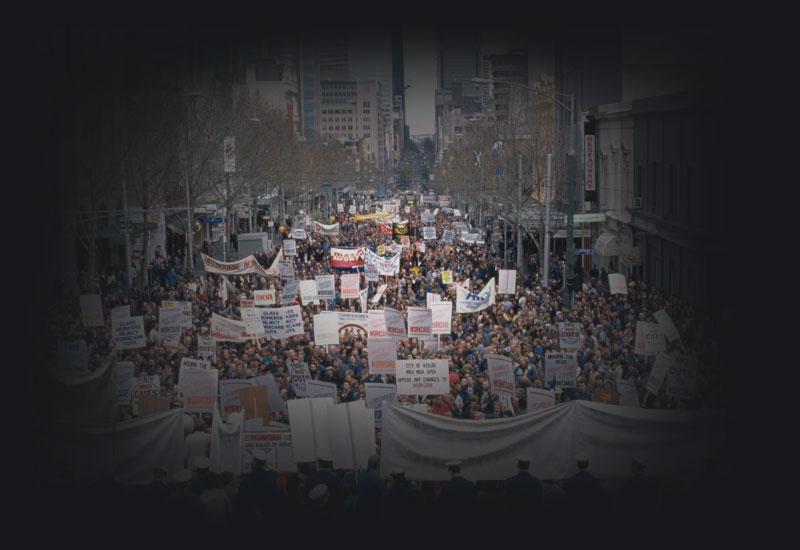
(382, 355)
(469, 302)
(682, 376)
(428, 217)
(199, 389)
(429, 233)
(353, 324)
(617, 283)
(240, 267)
(376, 395)
(507, 281)
(298, 376)
(206, 347)
(362, 299)
(228, 330)
(349, 283)
(326, 328)
(308, 292)
(254, 401)
(379, 294)
(395, 324)
(339, 207)
(121, 312)
(405, 242)
(422, 377)
(129, 333)
(326, 287)
(376, 324)
(277, 446)
(501, 374)
(286, 270)
(299, 234)
(229, 395)
(92, 310)
(371, 273)
(448, 235)
(289, 248)
(442, 318)
(628, 396)
(251, 317)
(539, 399)
(659, 372)
(386, 266)
(569, 336)
(289, 292)
(195, 363)
(419, 321)
(123, 381)
(346, 257)
(431, 298)
(332, 229)
(292, 321)
(447, 277)
(264, 298)
(667, 326)
(649, 339)
(144, 386)
(560, 370)
(274, 399)
(318, 388)
(186, 310)
(169, 326)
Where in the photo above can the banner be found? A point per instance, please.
(447, 277)
(395, 324)
(195, 363)
(382, 355)
(240, 267)
(277, 445)
(318, 388)
(282, 322)
(206, 347)
(376, 395)
(129, 333)
(228, 330)
(264, 298)
(419, 322)
(379, 294)
(422, 377)
(326, 328)
(353, 324)
(286, 270)
(121, 312)
(92, 310)
(123, 381)
(170, 326)
(501, 374)
(389, 267)
(226, 443)
(442, 318)
(332, 229)
(659, 372)
(289, 248)
(349, 283)
(289, 292)
(308, 292)
(274, 269)
(346, 257)
(507, 281)
(667, 326)
(469, 302)
(199, 389)
(252, 318)
(299, 234)
(560, 370)
(429, 233)
(649, 339)
(569, 336)
(682, 376)
(229, 395)
(617, 284)
(326, 287)
(539, 399)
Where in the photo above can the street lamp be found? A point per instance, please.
(189, 166)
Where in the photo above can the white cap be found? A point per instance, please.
(202, 463)
(318, 491)
(324, 457)
(260, 455)
(182, 476)
(523, 458)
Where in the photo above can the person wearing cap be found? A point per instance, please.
(640, 496)
(400, 499)
(325, 475)
(181, 505)
(524, 491)
(197, 444)
(368, 490)
(585, 495)
(258, 490)
(159, 488)
(458, 493)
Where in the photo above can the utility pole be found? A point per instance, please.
(569, 258)
(546, 263)
(127, 227)
(519, 215)
(480, 212)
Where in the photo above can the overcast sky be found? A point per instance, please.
(419, 65)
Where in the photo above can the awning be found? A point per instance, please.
(607, 245)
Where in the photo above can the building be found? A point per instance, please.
(511, 67)
(272, 82)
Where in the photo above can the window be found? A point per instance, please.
(654, 187)
(672, 190)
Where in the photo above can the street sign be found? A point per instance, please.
(206, 219)
(588, 218)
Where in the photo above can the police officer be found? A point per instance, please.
(640, 496)
(258, 490)
(400, 499)
(524, 492)
(369, 489)
(585, 495)
(458, 493)
(335, 487)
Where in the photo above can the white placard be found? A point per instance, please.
(326, 287)
(561, 369)
(431, 298)
(308, 292)
(123, 379)
(349, 283)
(420, 321)
(507, 281)
(376, 395)
(299, 234)
(199, 389)
(382, 355)
(326, 328)
(289, 248)
(265, 298)
(442, 318)
(289, 292)
(353, 324)
(649, 339)
(351, 430)
(129, 333)
(667, 326)
(381, 289)
(617, 283)
(286, 270)
(569, 336)
(422, 377)
(307, 418)
(395, 324)
(501, 374)
(188, 362)
(206, 347)
(429, 233)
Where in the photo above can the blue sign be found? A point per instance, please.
(205, 219)
(583, 251)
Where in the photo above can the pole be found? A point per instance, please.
(570, 251)
(519, 215)
(546, 263)
(480, 212)
(505, 244)
(189, 257)
(127, 227)
(227, 225)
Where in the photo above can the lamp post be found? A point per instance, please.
(189, 167)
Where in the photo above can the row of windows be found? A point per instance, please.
(656, 191)
(337, 111)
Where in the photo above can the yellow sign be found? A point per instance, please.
(375, 216)
(381, 250)
(447, 277)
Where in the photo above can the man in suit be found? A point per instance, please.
(336, 493)
(400, 499)
(523, 491)
(258, 490)
(458, 494)
(369, 489)
(585, 496)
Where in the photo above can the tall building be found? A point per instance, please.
(509, 67)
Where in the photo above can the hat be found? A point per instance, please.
(260, 456)
(582, 458)
(202, 464)
(523, 460)
(453, 464)
(325, 459)
(318, 491)
(182, 476)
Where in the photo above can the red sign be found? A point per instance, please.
(347, 257)
(589, 162)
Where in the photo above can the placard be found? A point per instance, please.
(199, 389)
(308, 292)
(448, 236)
(419, 322)
(378, 294)
(617, 283)
(129, 333)
(299, 234)
(569, 336)
(277, 445)
(507, 281)
(289, 292)
(349, 285)
(353, 324)
(429, 233)
(442, 318)
(395, 324)
(561, 370)
(346, 257)
(194, 363)
(326, 328)
(649, 339)
(123, 380)
(377, 324)
(289, 248)
(265, 298)
(501, 374)
(382, 355)
(422, 377)
(659, 372)
(667, 326)
(431, 298)
(206, 347)
(286, 270)
(326, 287)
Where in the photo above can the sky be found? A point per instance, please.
(419, 65)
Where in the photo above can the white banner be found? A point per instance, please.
(289, 248)
(206, 347)
(378, 294)
(129, 333)
(382, 355)
(649, 339)
(501, 374)
(353, 324)
(170, 321)
(349, 283)
(264, 298)
(308, 292)
(469, 302)
(667, 326)
(332, 229)
(377, 324)
(422, 377)
(299, 234)
(388, 267)
(561, 369)
(539, 399)
(92, 310)
(395, 324)
(199, 389)
(442, 318)
(282, 322)
(241, 267)
(326, 287)
(617, 284)
(569, 336)
(228, 330)
(326, 328)
(507, 281)
(419, 321)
